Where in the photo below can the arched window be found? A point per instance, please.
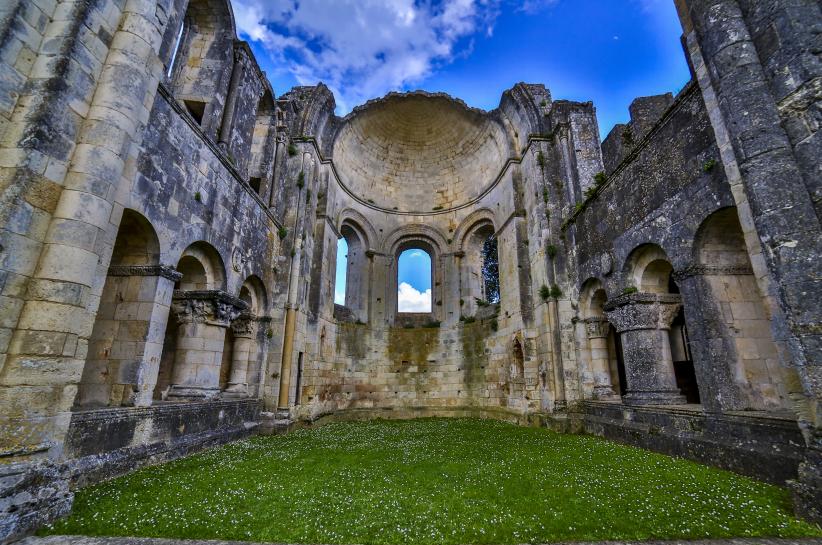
(414, 279)
(479, 268)
(352, 271)
(342, 272)
(490, 269)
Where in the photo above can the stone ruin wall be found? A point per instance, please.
(165, 217)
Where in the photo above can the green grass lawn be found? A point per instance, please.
(431, 481)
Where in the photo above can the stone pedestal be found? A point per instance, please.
(244, 329)
(597, 331)
(642, 321)
(204, 317)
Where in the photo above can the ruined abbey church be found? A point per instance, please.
(169, 229)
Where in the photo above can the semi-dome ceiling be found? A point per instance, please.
(419, 152)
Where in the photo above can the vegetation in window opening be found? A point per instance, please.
(490, 269)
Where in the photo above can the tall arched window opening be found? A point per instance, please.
(490, 269)
(340, 278)
(351, 282)
(414, 279)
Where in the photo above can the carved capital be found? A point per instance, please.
(164, 271)
(214, 307)
(643, 311)
(245, 325)
(597, 328)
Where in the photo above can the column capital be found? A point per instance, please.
(214, 307)
(636, 311)
(245, 325)
(597, 328)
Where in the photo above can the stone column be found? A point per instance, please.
(245, 348)
(597, 331)
(258, 357)
(642, 321)
(144, 364)
(204, 316)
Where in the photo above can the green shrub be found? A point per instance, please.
(292, 149)
(600, 178)
(433, 324)
(541, 159)
(282, 232)
(556, 293)
(301, 180)
(551, 251)
(198, 196)
(629, 289)
(544, 292)
(709, 165)
(481, 302)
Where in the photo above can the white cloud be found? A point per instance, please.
(364, 48)
(409, 299)
(339, 297)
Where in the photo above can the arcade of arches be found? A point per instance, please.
(169, 270)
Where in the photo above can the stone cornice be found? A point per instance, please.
(164, 271)
(708, 270)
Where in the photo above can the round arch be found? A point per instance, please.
(206, 270)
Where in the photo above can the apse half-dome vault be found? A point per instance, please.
(419, 152)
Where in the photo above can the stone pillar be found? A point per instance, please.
(597, 331)
(642, 321)
(204, 316)
(257, 358)
(144, 364)
(245, 350)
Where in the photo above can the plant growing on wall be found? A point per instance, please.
(544, 292)
(709, 165)
(629, 289)
(301, 180)
(551, 251)
(600, 178)
(282, 232)
(292, 149)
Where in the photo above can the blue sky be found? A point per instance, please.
(607, 51)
